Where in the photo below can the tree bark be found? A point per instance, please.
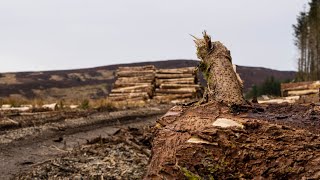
(216, 64)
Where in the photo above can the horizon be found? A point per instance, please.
(156, 61)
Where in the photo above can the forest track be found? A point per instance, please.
(21, 149)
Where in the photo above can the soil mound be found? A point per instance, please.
(209, 142)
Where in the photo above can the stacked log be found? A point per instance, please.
(308, 91)
(133, 84)
(176, 85)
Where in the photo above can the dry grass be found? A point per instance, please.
(9, 78)
(14, 101)
(56, 78)
(74, 93)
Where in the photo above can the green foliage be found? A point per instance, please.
(270, 86)
(203, 67)
(85, 104)
(189, 175)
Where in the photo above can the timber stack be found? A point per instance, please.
(133, 85)
(176, 85)
(306, 91)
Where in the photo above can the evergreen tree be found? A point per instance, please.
(307, 40)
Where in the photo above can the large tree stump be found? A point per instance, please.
(216, 65)
(209, 142)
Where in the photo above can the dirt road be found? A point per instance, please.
(33, 145)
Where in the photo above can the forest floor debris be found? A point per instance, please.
(123, 155)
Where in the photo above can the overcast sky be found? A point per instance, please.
(67, 34)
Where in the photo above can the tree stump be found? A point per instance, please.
(216, 65)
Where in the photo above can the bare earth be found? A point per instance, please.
(22, 149)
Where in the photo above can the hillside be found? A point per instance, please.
(96, 82)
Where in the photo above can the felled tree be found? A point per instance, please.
(216, 65)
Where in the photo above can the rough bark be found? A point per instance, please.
(216, 64)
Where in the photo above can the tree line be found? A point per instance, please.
(307, 40)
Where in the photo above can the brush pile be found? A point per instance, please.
(124, 155)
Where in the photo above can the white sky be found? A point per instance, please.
(67, 34)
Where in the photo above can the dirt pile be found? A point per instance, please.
(123, 155)
(209, 142)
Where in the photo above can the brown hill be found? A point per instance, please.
(94, 83)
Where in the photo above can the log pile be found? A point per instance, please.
(133, 84)
(307, 91)
(176, 85)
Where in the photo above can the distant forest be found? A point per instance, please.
(307, 40)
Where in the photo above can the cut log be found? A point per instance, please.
(172, 76)
(177, 86)
(134, 89)
(149, 73)
(137, 68)
(125, 98)
(185, 95)
(175, 81)
(303, 92)
(8, 123)
(277, 101)
(118, 84)
(174, 101)
(143, 79)
(300, 86)
(131, 95)
(177, 91)
(188, 70)
(146, 86)
(171, 97)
